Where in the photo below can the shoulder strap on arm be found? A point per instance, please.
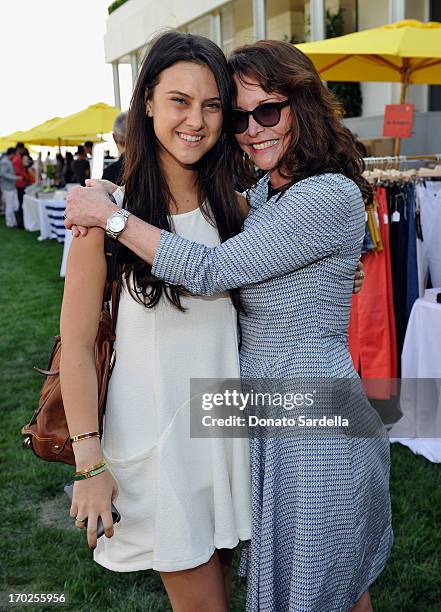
(113, 281)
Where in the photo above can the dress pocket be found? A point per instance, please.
(136, 479)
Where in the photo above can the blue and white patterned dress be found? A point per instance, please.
(321, 522)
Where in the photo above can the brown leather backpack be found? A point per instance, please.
(47, 433)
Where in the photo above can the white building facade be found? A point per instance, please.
(232, 23)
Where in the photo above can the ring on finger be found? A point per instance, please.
(360, 275)
(79, 520)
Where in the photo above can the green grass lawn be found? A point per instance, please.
(40, 548)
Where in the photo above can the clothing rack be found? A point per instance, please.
(402, 158)
(390, 166)
(399, 219)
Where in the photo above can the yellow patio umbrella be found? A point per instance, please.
(38, 135)
(32, 135)
(88, 124)
(14, 137)
(5, 144)
(94, 120)
(406, 52)
(41, 135)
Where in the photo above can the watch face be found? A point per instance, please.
(116, 224)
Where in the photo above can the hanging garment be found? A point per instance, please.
(412, 267)
(398, 233)
(372, 335)
(368, 244)
(374, 227)
(419, 245)
(430, 200)
(384, 217)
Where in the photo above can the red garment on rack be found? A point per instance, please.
(372, 335)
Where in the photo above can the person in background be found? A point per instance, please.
(28, 164)
(114, 172)
(20, 184)
(7, 184)
(81, 166)
(47, 161)
(68, 168)
(88, 147)
(59, 180)
(60, 159)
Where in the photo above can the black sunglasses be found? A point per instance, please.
(266, 115)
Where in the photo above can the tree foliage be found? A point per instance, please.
(116, 4)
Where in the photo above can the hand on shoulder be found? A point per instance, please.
(88, 206)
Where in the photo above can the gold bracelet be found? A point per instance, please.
(89, 434)
(90, 469)
(90, 474)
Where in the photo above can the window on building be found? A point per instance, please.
(242, 12)
(227, 28)
(287, 20)
(201, 26)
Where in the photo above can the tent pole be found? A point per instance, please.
(404, 85)
(397, 146)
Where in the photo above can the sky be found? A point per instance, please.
(52, 61)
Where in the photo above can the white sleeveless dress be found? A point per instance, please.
(179, 497)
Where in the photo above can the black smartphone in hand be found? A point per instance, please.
(116, 517)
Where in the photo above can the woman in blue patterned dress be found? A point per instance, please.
(321, 531)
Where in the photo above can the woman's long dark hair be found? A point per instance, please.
(319, 142)
(147, 194)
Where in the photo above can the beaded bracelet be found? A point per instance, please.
(90, 474)
(89, 434)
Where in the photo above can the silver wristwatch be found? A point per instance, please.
(116, 223)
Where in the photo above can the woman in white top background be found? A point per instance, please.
(184, 502)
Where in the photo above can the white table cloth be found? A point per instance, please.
(31, 216)
(45, 226)
(45, 213)
(420, 398)
(54, 211)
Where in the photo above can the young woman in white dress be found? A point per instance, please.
(184, 502)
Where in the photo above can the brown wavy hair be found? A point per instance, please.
(318, 141)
